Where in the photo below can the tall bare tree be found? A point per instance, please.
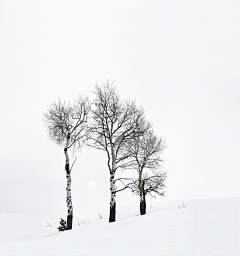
(67, 126)
(146, 151)
(115, 123)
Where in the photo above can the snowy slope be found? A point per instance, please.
(205, 227)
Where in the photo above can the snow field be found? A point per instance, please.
(203, 227)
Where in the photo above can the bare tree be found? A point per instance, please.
(67, 126)
(146, 153)
(115, 123)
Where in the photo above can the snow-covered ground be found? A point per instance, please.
(199, 227)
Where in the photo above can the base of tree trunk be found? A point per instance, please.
(69, 221)
(112, 215)
(143, 208)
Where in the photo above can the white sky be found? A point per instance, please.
(179, 59)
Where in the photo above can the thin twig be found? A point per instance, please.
(73, 164)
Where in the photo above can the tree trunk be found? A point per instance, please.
(112, 214)
(142, 200)
(68, 189)
(69, 221)
(143, 206)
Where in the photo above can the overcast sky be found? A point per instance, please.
(179, 60)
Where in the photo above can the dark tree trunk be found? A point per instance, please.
(69, 221)
(143, 207)
(112, 214)
(143, 201)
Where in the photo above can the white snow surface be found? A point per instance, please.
(208, 227)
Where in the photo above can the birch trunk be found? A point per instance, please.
(68, 188)
(112, 214)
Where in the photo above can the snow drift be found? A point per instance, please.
(198, 227)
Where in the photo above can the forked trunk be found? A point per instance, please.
(112, 214)
(68, 189)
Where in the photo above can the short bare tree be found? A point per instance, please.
(67, 126)
(146, 151)
(115, 123)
